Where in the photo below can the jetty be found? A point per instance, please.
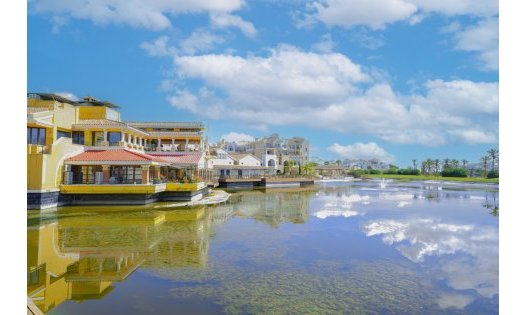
(264, 182)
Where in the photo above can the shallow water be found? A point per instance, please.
(337, 247)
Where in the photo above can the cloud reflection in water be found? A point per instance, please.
(465, 254)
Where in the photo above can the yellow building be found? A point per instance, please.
(80, 152)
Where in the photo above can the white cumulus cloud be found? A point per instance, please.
(330, 91)
(151, 14)
(158, 47)
(288, 77)
(373, 13)
(237, 137)
(360, 150)
(483, 39)
(224, 20)
(325, 45)
(199, 41)
(376, 14)
(461, 96)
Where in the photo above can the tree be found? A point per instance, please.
(484, 161)
(414, 164)
(427, 166)
(445, 164)
(455, 163)
(494, 155)
(465, 164)
(437, 166)
(309, 168)
(430, 164)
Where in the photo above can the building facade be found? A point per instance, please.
(80, 152)
(273, 151)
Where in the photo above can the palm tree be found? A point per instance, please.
(414, 164)
(454, 163)
(484, 161)
(445, 164)
(465, 164)
(308, 168)
(437, 166)
(494, 155)
(429, 164)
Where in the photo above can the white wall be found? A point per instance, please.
(250, 160)
(221, 158)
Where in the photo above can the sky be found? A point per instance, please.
(390, 79)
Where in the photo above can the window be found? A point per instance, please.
(63, 134)
(125, 175)
(78, 137)
(36, 135)
(85, 174)
(97, 138)
(114, 138)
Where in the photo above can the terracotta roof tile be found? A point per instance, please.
(181, 158)
(115, 155)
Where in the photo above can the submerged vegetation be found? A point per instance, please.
(326, 287)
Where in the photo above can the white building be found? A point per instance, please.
(219, 156)
(246, 159)
(273, 151)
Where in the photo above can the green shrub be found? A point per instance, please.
(493, 174)
(454, 172)
(355, 173)
(409, 171)
(374, 172)
(391, 171)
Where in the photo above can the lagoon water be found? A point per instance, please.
(337, 247)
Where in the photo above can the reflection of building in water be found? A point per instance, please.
(184, 242)
(221, 213)
(274, 208)
(113, 232)
(103, 265)
(47, 267)
(79, 257)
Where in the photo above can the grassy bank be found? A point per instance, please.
(424, 177)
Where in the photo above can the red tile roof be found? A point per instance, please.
(121, 155)
(180, 158)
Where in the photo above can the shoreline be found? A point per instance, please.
(437, 178)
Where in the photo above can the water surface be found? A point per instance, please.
(341, 247)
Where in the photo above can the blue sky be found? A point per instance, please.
(392, 79)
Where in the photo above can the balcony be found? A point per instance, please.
(105, 145)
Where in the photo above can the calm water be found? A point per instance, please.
(408, 248)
